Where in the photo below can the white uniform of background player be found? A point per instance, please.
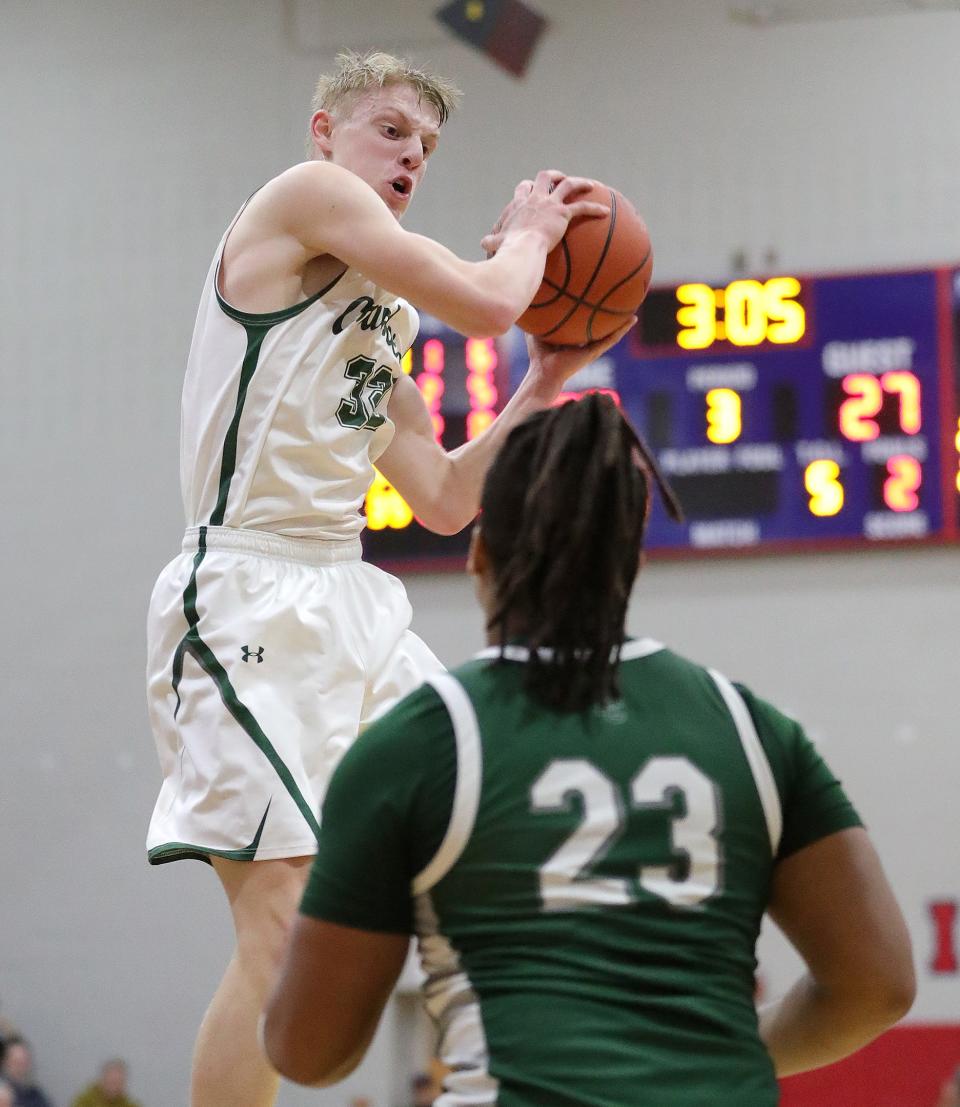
(270, 643)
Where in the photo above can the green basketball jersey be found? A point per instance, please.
(587, 889)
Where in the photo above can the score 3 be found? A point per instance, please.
(724, 421)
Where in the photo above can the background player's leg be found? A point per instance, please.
(229, 1069)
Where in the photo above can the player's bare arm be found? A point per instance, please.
(443, 489)
(319, 208)
(833, 902)
(329, 998)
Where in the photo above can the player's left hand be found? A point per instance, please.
(537, 203)
(557, 364)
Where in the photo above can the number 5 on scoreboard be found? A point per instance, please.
(821, 478)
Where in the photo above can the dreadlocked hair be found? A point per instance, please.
(564, 509)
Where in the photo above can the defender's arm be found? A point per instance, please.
(833, 902)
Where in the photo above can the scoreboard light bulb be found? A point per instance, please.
(385, 506)
(477, 423)
(434, 356)
(820, 479)
(431, 388)
(481, 356)
(481, 392)
(724, 422)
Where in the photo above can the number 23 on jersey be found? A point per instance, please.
(567, 879)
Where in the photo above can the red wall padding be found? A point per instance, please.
(906, 1067)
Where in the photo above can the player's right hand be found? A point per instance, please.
(546, 205)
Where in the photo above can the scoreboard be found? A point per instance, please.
(465, 383)
(788, 413)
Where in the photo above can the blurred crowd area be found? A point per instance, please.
(20, 1087)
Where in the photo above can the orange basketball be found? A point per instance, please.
(596, 276)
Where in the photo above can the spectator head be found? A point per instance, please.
(17, 1061)
(113, 1078)
(6, 1094)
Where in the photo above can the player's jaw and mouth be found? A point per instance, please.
(398, 190)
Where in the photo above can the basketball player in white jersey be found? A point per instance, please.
(271, 644)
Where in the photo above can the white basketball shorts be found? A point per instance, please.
(267, 656)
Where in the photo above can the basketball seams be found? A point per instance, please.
(582, 302)
(610, 291)
(562, 316)
(606, 246)
(578, 303)
(603, 253)
(599, 308)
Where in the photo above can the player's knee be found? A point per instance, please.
(261, 946)
(263, 917)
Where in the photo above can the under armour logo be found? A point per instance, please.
(248, 653)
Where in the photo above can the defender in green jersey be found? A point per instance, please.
(584, 834)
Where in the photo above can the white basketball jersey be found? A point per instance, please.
(284, 414)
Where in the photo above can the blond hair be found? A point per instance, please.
(358, 72)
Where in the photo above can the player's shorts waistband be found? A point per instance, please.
(262, 543)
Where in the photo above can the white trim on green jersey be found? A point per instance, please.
(453, 1005)
(629, 651)
(760, 769)
(756, 758)
(466, 796)
(639, 647)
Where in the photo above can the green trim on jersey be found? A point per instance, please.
(593, 941)
(228, 460)
(184, 851)
(269, 318)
